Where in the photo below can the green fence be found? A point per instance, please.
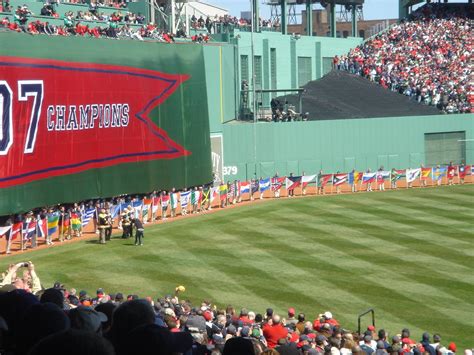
(343, 145)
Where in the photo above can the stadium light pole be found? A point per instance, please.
(254, 91)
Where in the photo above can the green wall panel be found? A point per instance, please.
(340, 145)
(184, 115)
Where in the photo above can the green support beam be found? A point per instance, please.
(354, 21)
(309, 18)
(256, 16)
(332, 19)
(284, 29)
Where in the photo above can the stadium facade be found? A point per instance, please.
(202, 115)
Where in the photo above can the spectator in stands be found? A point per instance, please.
(273, 331)
(28, 281)
(426, 58)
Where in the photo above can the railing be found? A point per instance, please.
(371, 310)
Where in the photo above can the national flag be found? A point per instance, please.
(439, 172)
(396, 175)
(75, 221)
(155, 205)
(5, 230)
(174, 200)
(354, 177)
(306, 179)
(214, 191)
(451, 171)
(137, 206)
(231, 191)
(184, 199)
(116, 210)
(425, 173)
(146, 208)
(382, 176)
(53, 221)
(277, 183)
(16, 230)
(264, 184)
(42, 227)
(165, 200)
(412, 174)
(206, 193)
(339, 179)
(223, 191)
(291, 182)
(195, 197)
(472, 169)
(88, 214)
(29, 229)
(368, 178)
(324, 179)
(244, 187)
(464, 170)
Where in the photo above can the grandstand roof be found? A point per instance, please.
(341, 95)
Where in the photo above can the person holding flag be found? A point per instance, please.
(320, 184)
(76, 221)
(451, 173)
(184, 200)
(206, 194)
(64, 224)
(223, 194)
(462, 172)
(173, 202)
(195, 199)
(381, 179)
(165, 200)
(424, 175)
(277, 183)
(29, 231)
(353, 180)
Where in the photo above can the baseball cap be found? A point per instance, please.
(291, 311)
(327, 315)
(371, 328)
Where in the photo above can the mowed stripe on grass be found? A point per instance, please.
(407, 253)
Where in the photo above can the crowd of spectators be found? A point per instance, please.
(428, 58)
(226, 21)
(35, 320)
(116, 25)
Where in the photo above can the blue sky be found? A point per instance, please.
(373, 9)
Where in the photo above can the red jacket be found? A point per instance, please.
(273, 333)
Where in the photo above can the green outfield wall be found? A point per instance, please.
(343, 145)
(183, 116)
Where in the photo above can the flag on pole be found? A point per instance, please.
(368, 178)
(87, 216)
(264, 184)
(472, 169)
(412, 174)
(354, 177)
(306, 179)
(277, 183)
(137, 206)
(213, 194)
(291, 182)
(53, 221)
(339, 179)
(206, 194)
(146, 208)
(425, 173)
(451, 171)
(231, 191)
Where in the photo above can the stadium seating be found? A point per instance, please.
(426, 58)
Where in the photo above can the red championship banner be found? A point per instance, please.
(60, 118)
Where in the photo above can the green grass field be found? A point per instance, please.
(408, 254)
